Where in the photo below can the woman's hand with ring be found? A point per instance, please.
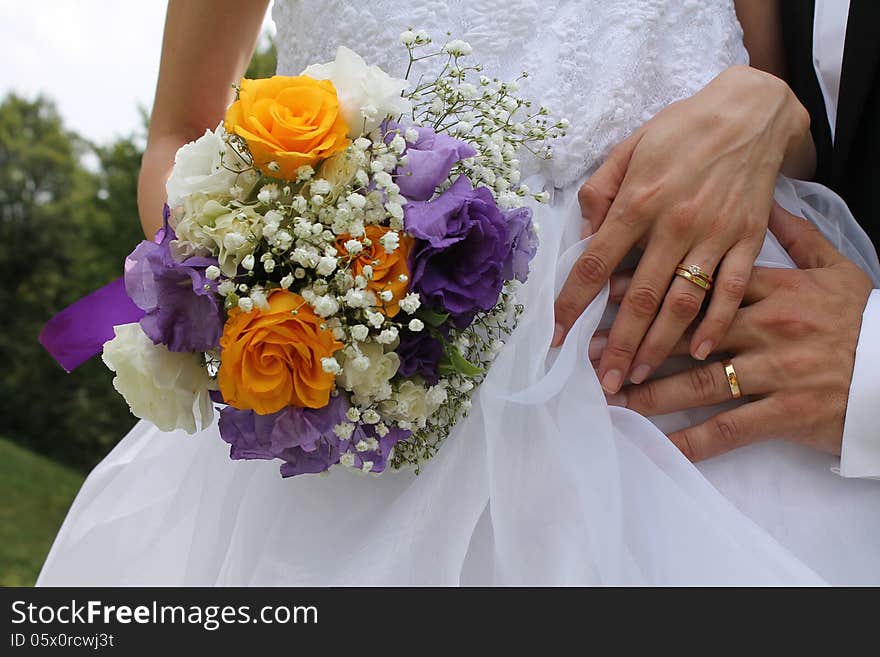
(694, 186)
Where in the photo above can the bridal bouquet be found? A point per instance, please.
(338, 264)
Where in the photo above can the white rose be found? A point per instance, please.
(409, 404)
(361, 89)
(207, 165)
(371, 382)
(167, 388)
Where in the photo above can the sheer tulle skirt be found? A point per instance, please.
(543, 483)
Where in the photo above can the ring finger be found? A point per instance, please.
(680, 308)
(704, 385)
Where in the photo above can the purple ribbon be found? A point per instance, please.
(79, 331)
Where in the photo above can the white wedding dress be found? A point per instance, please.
(543, 483)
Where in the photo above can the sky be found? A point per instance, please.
(97, 59)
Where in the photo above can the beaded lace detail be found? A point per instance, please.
(605, 65)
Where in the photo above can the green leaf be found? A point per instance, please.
(458, 363)
(432, 317)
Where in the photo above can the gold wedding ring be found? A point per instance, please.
(732, 379)
(695, 275)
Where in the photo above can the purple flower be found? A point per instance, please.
(419, 353)
(462, 248)
(303, 438)
(181, 306)
(523, 244)
(429, 161)
(378, 457)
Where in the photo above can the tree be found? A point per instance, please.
(65, 229)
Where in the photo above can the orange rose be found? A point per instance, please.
(387, 267)
(288, 120)
(271, 359)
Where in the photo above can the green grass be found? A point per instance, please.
(35, 493)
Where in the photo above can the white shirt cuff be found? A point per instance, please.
(860, 452)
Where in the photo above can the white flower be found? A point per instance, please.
(326, 265)
(370, 416)
(408, 37)
(248, 261)
(167, 388)
(416, 325)
(226, 287)
(436, 396)
(304, 172)
(458, 47)
(287, 281)
(258, 296)
(360, 86)
(369, 383)
(340, 169)
(246, 304)
(207, 165)
(357, 201)
(359, 332)
(321, 186)
(375, 319)
(268, 193)
(408, 404)
(354, 246)
(390, 240)
(330, 365)
(410, 303)
(326, 305)
(212, 273)
(387, 336)
(209, 227)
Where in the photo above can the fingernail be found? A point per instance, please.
(703, 350)
(618, 287)
(586, 229)
(616, 400)
(612, 381)
(640, 373)
(597, 346)
(558, 334)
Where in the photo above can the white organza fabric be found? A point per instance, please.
(543, 483)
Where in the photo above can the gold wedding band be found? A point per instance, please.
(732, 379)
(695, 275)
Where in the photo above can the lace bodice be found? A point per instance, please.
(606, 65)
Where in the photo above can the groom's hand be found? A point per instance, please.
(793, 347)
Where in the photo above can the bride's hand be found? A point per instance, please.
(156, 166)
(694, 185)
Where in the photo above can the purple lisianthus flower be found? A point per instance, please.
(429, 161)
(377, 457)
(420, 353)
(523, 244)
(462, 248)
(181, 305)
(301, 437)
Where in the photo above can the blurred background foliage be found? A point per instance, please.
(68, 218)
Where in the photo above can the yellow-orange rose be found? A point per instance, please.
(292, 121)
(387, 267)
(271, 358)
